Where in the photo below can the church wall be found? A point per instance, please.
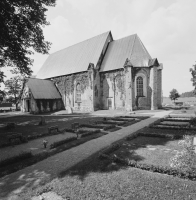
(159, 86)
(153, 87)
(113, 89)
(97, 80)
(86, 103)
(97, 91)
(142, 102)
(67, 87)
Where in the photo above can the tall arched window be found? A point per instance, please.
(139, 82)
(78, 92)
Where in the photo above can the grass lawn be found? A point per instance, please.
(150, 150)
(102, 179)
(10, 168)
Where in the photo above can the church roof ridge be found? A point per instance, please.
(75, 58)
(81, 42)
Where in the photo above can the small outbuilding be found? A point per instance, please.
(40, 96)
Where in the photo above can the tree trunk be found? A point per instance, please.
(16, 106)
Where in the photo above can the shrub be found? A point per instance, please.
(91, 126)
(89, 133)
(193, 121)
(161, 135)
(118, 123)
(99, 126)
(61, 142)
(148, 167)
(185, 160)
(22, 156)
(172, 127)
(24, 139)
(177, 119)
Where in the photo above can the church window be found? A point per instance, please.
(139, 83)
(78, 92)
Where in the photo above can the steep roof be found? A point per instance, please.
(129, 47)
(73, 59)
(43, 89)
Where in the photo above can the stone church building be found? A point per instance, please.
(102, 73)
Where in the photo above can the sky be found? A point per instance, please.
(167, 28)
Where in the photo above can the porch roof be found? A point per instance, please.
(43, 89)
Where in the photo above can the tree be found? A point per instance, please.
(13, 88)
(193, 73)
(174, 95)
(21, 23)
(2, 95)
(187, 94)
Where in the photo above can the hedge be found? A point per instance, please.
(176, 120)
(89, 133)
(104, 127)
(112, 122)
(161, 135)
(171, 127)
(61, 142)
(22, 156)
(154, 168)
(144, 166)
(99, 125)
(121, 119)
(138, 117)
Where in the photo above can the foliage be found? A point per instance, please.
(118, 81)
(1, 77)
(193, 73)
(99, 126)
(21, 25)
(185, 160)
(160, 135)
(66, 83)
(193, 121)
(87, 133)
(2, 95)
(13, 88)
(105, 154)
(43, 155)
(188, 94)
(14, 159)
(61, 142)
(174, 95)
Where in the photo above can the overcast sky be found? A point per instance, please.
(166, 27)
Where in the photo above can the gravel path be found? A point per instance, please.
(49, 168)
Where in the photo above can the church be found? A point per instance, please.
(98, 73)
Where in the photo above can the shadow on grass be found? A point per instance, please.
(42, 172)
(96, 165)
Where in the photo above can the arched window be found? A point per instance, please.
(78, 92)
(139, 82)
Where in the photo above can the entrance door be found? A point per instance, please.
(109, 103)
(28, 105)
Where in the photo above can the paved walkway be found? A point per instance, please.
(48, 169)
